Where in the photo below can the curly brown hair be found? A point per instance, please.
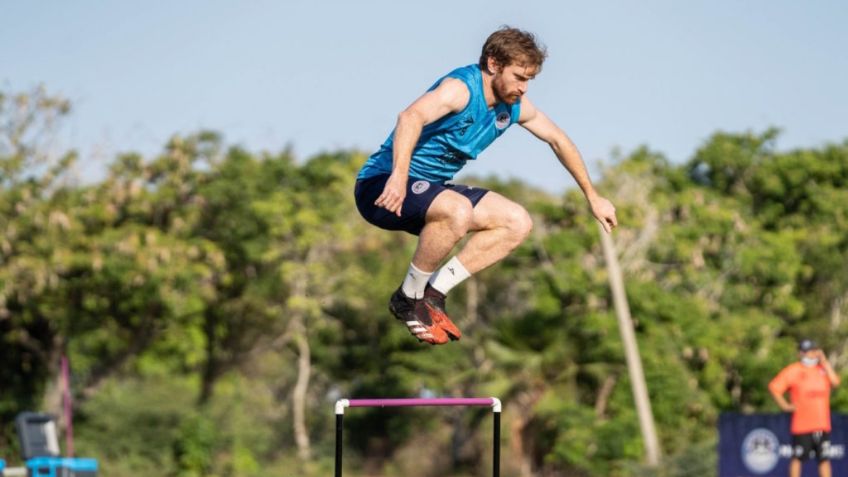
(509, 46)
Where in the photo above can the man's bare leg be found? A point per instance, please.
(500, 225)
(795, 468)
(824, 468)
(449, 219)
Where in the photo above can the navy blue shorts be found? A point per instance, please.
(419, 196)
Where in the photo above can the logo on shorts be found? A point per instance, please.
(502, 120)
(419, 187)
(760, 451)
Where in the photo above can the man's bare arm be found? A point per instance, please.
(828, 369)
(450, 96)
(543, 128)
(781, 401)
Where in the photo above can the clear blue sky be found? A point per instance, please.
(320, 75)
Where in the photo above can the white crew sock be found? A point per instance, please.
(415, 282)
(450, 275)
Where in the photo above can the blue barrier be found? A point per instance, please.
(760, 445)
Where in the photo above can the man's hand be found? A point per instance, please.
(824, 363)
(604, 211)
(788, 407)
(393, 194)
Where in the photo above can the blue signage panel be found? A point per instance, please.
(760, 445)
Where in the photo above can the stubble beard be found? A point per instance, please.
(503, 97)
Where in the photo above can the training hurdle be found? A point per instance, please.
(494, 403)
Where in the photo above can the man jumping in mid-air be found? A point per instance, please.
(403, 185)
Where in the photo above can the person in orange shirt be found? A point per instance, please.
(809, 382)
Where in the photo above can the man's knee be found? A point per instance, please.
(519, 223)
(453, 210)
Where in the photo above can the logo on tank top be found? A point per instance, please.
(453, 157)
(465, 124)
(502, 120)
(419, 187)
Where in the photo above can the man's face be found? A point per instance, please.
(810, 357)
(510, 82)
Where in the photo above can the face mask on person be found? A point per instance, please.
(809, 362)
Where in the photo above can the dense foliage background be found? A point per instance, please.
(214, 302)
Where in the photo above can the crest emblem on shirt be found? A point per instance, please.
(502, 120)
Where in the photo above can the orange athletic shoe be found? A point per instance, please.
(435, 301)
(413, 313)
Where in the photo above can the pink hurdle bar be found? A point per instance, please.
(492, 402)
(419, 402)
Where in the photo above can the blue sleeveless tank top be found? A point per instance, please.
(448, 143)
